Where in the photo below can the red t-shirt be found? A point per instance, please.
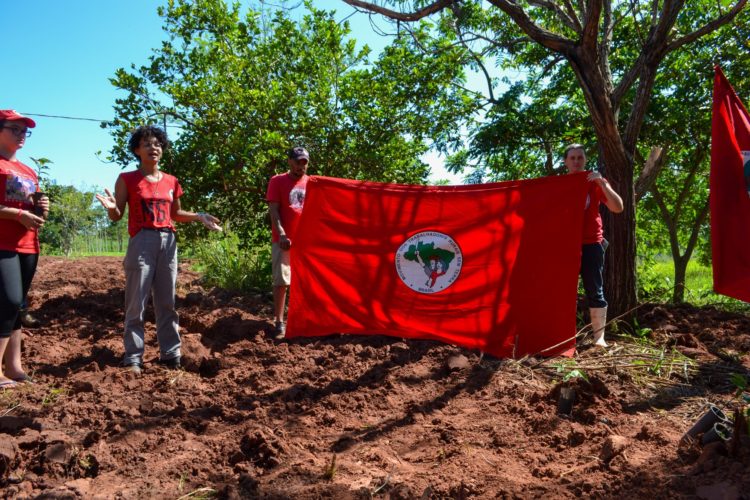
(289, 193)
(17, 183)
(592, 219)
(150, 203)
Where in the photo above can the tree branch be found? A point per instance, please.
(506, 46)
(540, 35)
(548, 67)
(629, 77)
(402, 16)
(699, 154)
(667, 19)
(604, 45)
(572, 14)
(591, 26)
(479, 63)
(652, 48)
(668, 221)
(650, 172)
(645, 68)
(549, 162)
(654, 12)
(561, 14)
(708, 28)
(641, 100)
(636, 24)
(695, 230)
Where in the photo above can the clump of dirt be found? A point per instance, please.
(349, 416)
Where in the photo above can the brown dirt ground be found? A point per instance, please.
(349, 416)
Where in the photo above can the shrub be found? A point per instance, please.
(225, 263)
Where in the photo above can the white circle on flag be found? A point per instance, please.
(429, 262)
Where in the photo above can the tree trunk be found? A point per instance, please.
(619, 267)
(619, 229)
(680, 271)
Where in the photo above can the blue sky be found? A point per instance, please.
(59, 56)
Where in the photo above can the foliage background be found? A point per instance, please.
(236, 87)
(243, 88)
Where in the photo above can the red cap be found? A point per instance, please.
(11, 114)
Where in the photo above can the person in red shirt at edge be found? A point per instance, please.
(19, 241)
(285, 196)
(153, 200)
(594, 244)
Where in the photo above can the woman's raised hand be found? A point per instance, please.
(107, 201)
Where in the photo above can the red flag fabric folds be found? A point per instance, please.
(730, 191)
(492, 267)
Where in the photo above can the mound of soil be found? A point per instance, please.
(345, 416)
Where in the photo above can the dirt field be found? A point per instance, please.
(353, 417)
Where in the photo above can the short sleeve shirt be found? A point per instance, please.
(289, 193)
(150, 203)
(17, 183)
(592, 219)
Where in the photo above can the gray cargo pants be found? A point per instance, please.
(151, 268)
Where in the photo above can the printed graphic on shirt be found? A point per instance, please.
(154, 211)
(297, 198)
(19, 188)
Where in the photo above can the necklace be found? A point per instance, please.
(154, 185)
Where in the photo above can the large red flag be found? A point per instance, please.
(730, 191)
(492, 267)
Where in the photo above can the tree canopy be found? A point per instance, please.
(613, 53)
(236, 89)
(631, 81)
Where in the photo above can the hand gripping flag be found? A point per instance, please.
(492, 267)
(730, 191)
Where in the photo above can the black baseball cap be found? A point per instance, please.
(298, 153)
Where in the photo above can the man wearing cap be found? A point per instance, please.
(285, 196)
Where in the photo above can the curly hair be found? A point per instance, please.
(147, 132)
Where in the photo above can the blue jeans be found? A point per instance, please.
(592, 266)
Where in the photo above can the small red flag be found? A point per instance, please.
(492, 267)
(730, 191)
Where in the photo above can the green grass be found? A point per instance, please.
(79, 255)
(88, 246)
(54, 395)
(656, 281)
(98, 254)
(222, 259)
(226, 263)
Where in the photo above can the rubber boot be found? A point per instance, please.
(598, 322)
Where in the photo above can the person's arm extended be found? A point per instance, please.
(273, 210)
(611, 198)
(115, 204)
(180, 215)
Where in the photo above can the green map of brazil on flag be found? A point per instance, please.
(492, 267)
